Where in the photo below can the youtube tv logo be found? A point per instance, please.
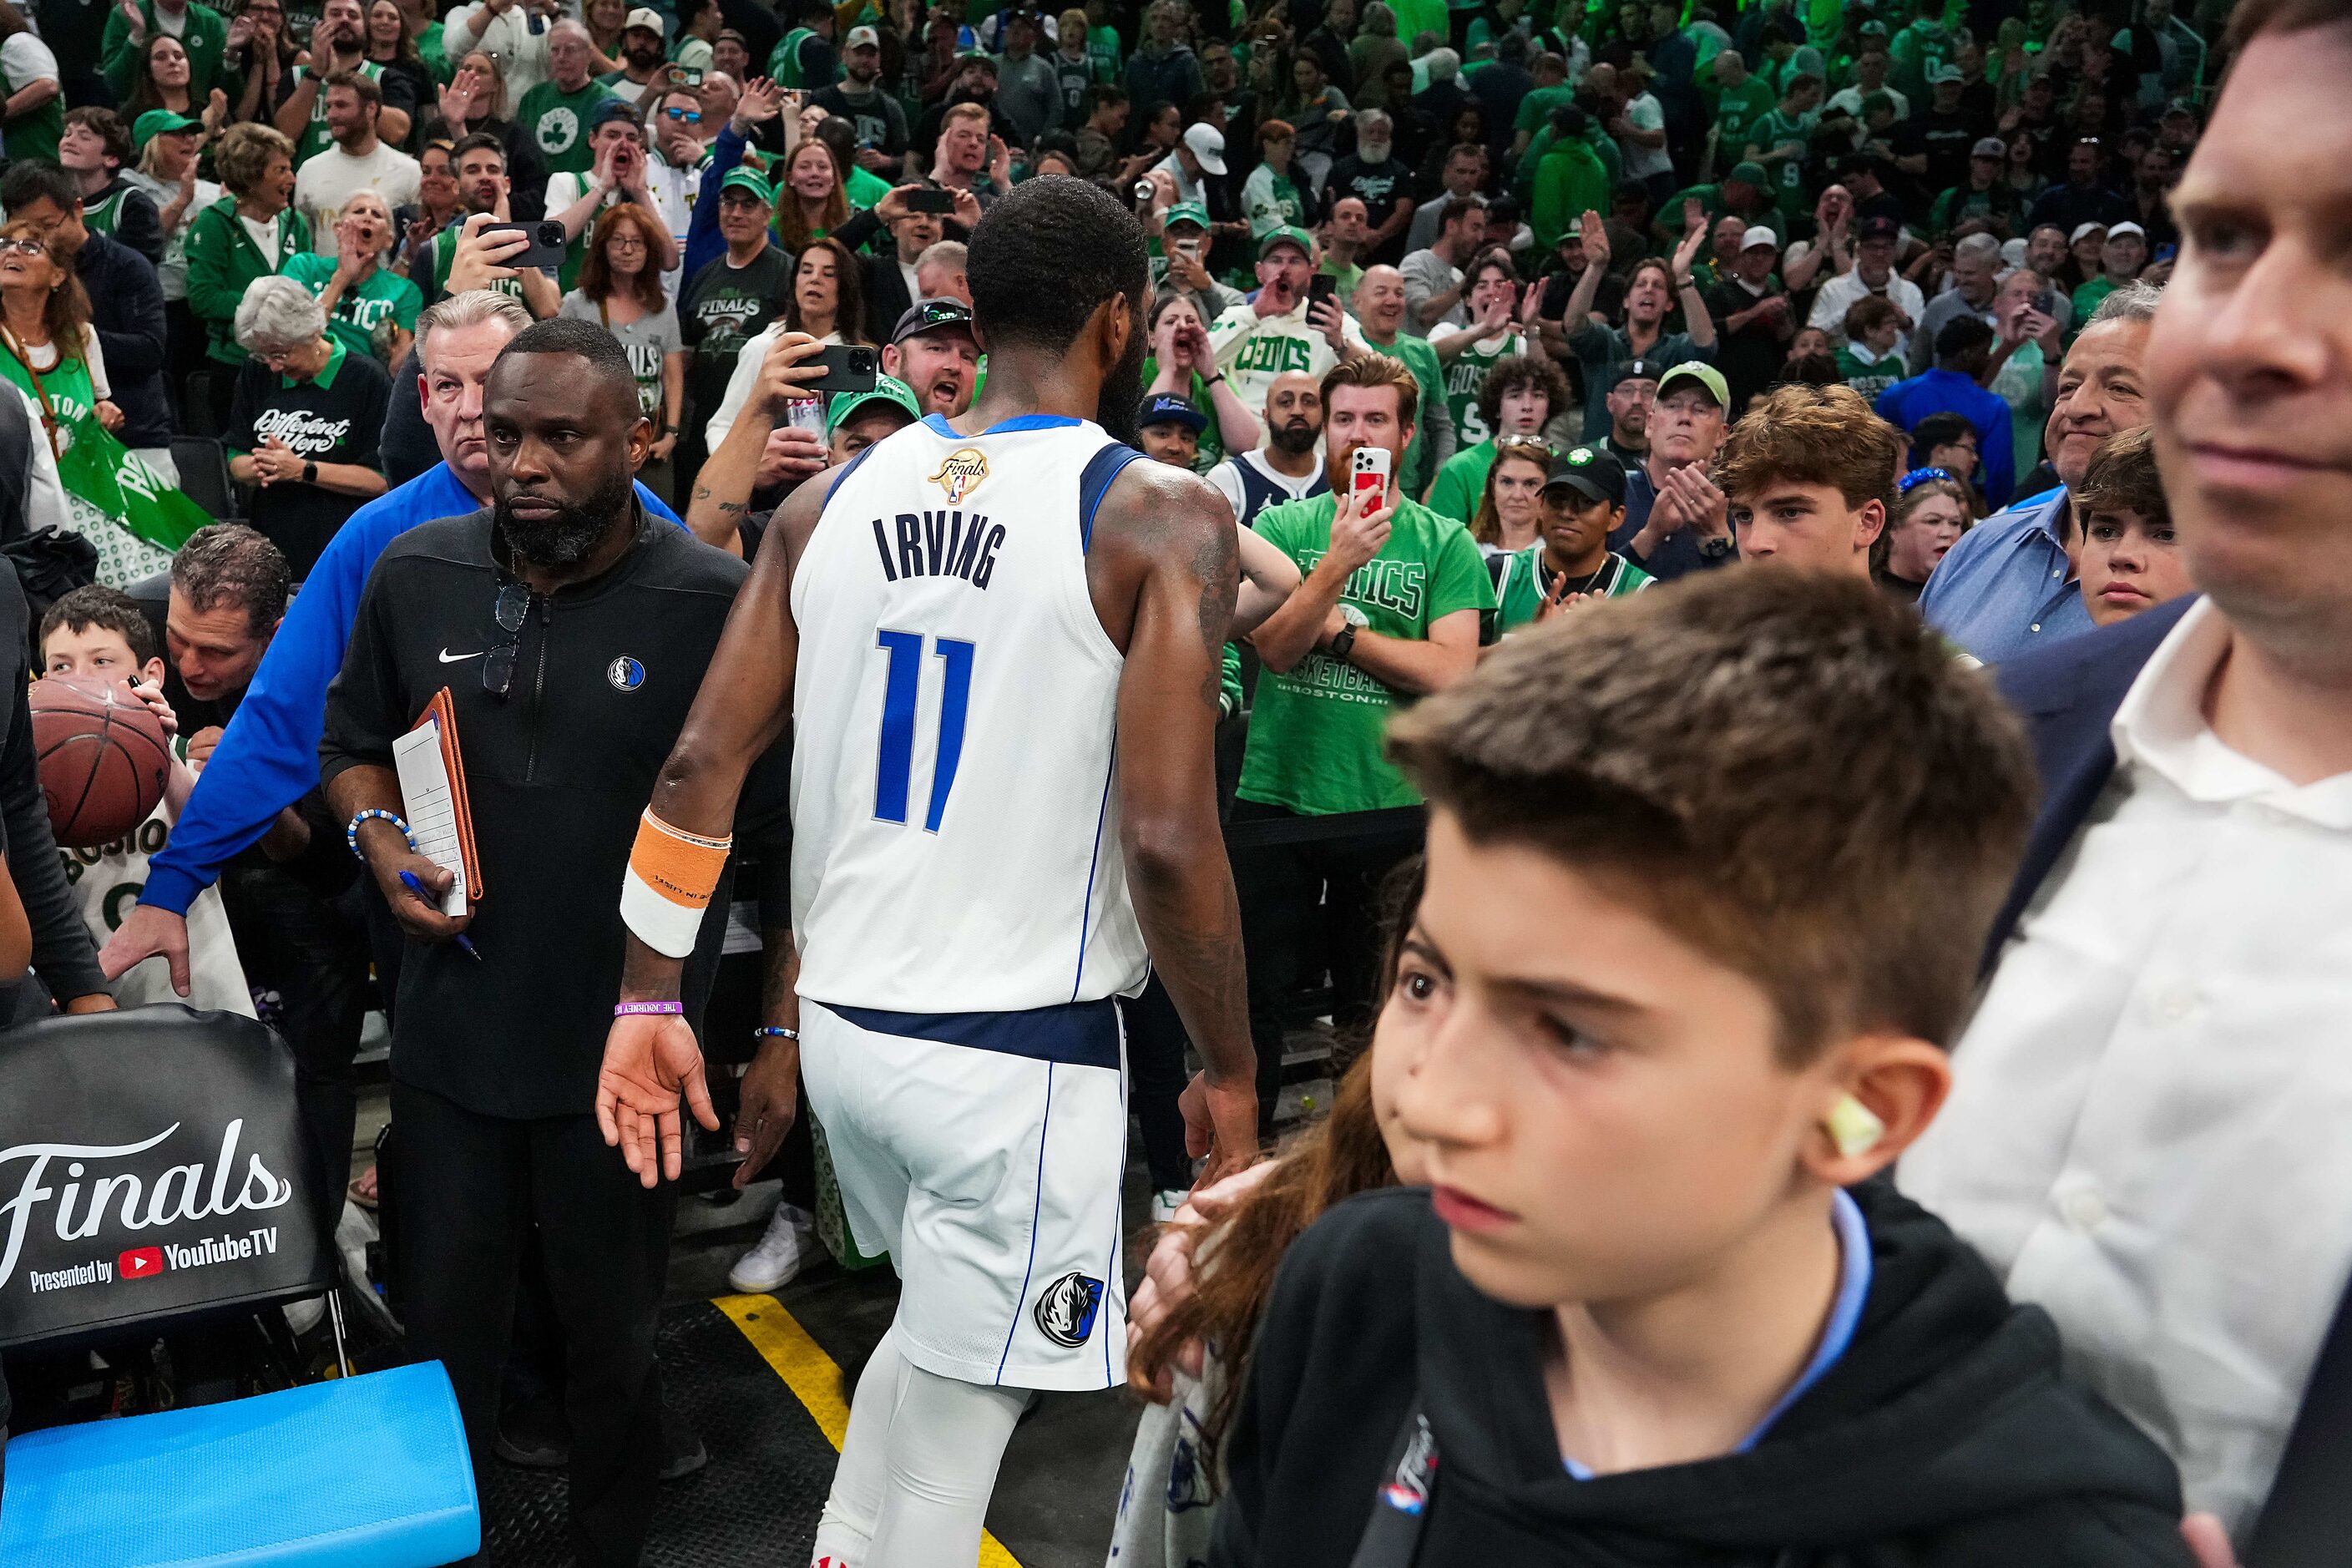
(140, 1263)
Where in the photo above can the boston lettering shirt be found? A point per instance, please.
(335, 417)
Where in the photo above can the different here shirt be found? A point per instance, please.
(1315, 732)
(335, 417)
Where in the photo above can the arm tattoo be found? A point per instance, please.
(1217, 564)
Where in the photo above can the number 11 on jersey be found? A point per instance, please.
(895, 768)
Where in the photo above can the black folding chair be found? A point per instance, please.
(202, 463)
(153, 1176)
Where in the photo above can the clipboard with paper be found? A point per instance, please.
(432, 771)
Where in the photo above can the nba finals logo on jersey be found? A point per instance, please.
(1066, 1310)
(961, 473)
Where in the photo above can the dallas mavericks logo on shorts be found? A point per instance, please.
(1066, 1310)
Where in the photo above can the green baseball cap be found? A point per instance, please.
(887, 389)
(158, 122)
(1750, 174)
(1186, 212)
(1290, 234)
(1699, 370)
(742, 179)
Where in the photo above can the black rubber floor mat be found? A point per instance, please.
(754, 1505)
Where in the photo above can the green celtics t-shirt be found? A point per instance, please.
(1870, 376)
(1461, 482)
(557, 123)
(1315, 732)
(1736, 111)
(445, 255)
(1525, 578)
(366, 313)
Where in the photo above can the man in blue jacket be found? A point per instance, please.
(269, 758)
(1963, 348)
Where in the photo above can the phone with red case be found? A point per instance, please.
(1370, 471)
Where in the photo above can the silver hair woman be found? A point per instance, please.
(304, 424)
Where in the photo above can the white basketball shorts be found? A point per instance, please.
(985, 1152)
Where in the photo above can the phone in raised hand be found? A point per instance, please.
(1368, 476)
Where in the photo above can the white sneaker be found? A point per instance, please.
(1164, 1205)
(788, 1246)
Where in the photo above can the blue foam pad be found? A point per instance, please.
(361, 1472)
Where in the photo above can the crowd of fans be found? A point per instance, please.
(1630, 294)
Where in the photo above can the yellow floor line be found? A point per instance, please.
(814, 1381)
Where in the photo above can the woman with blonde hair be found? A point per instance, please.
(252, 232)
(1510, 510)
(1932, 508)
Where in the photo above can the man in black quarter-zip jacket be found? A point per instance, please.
(571, 631)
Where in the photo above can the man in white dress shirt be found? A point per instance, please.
(2147, 1134)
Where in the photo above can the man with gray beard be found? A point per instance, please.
(569, 630)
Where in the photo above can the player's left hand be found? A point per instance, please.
(648, 1059)
(2208, 1541)
(769, 1101)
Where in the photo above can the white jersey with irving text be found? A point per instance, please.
(955, 813)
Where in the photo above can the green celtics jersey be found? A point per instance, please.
(557, 123)
(784, 64)
(1467, 373)
(1777, 130)
(365, 315)
(314, 139)
(1528, 582)
(1315, 732)
(1868, 376)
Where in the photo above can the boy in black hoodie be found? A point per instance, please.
(1709, 871)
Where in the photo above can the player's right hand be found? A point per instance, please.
(769, 1100)
(648, 1059)
(145, 933)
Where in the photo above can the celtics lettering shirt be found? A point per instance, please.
(364, 317)
(1315, 732)
(557, 123)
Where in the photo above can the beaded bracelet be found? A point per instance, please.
(627, 1009)
(351, 833)
(776, 1032)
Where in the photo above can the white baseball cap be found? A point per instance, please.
(862, 38)
(1761, 235)
(2082, 228)
(2127, 226)
(1207, 145)
(648, 19)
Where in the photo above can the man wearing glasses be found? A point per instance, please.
(674, 173)
(566, 631)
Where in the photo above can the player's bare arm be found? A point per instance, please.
(744, 705)
(1163, 572)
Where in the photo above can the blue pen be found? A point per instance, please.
(418, 888)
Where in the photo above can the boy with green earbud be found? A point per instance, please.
(1709, 869)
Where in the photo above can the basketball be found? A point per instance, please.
(103, 758)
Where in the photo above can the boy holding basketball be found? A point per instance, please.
(102, 634)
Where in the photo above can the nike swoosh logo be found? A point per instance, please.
(448, 657)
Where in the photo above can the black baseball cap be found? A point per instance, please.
(930, 315)
(1590, 472)
(1880, 228)
(1169, 408)
(1635, 370)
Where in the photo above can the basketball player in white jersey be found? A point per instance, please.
(998, 641)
